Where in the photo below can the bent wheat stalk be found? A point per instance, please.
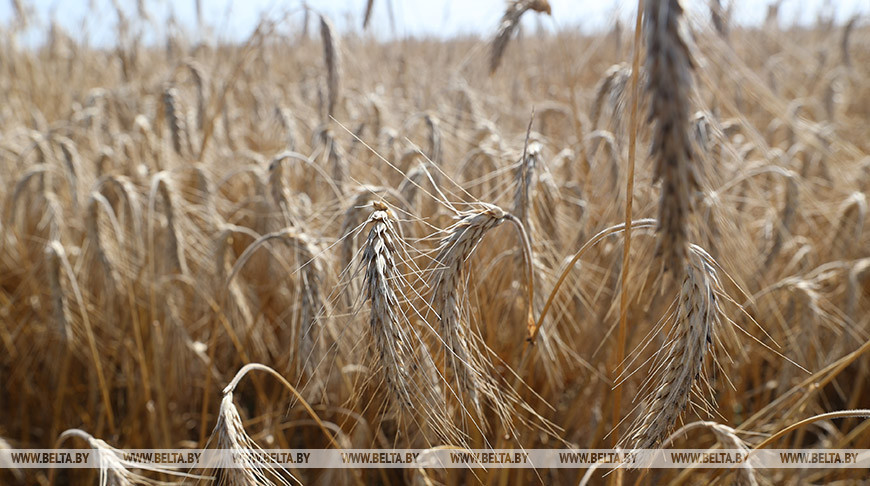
(310, 276)
(252, 469)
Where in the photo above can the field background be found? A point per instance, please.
(173, 210)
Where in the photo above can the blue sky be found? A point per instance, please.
(234, 19)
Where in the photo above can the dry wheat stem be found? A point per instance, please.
(629, 205)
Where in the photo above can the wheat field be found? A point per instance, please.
(652, 236)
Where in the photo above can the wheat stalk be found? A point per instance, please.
(526, 179)
(367, 15)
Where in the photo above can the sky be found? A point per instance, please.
(231, 20)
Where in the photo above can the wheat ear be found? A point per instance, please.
(610, 89)
(58, 299)
(470, 367)
(115, 470)
(93, 234)
(508, 25)
(727, 437)
(381, 275)
(410, 373)
(175, 119)
(174, 244)
(525, 183)
(231, 436)
(668, 66)
(850, 225)
(332, 59)
(844, 40)
(680, 362)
